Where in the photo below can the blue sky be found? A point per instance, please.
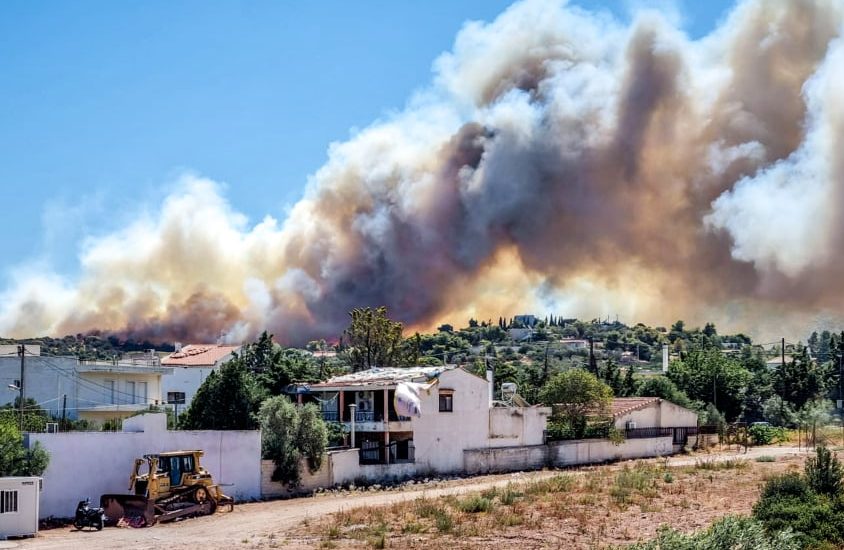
(103, 103)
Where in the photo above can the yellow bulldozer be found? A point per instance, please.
(173, 486)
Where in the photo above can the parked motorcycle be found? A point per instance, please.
(86, 516)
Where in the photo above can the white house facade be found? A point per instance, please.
(457, 414)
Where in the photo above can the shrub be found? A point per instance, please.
(761, 434)
(475, 504)
(443, 521)
(509, 496)
(729, 464)
(639, 479)
(824, 472)
(729, 533)
(556, 484)
(789, 503)
(766, 458)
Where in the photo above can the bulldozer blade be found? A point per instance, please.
(128, 506)
(203, 509)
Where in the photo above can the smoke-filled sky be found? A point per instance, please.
(560, 160)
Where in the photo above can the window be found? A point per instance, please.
(8, 502)
(142, 392)
(446, 401)
(130, 389)
(176, 397)
(109, 384)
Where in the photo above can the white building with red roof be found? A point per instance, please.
(191, 365)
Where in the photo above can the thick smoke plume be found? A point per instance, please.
(560, 161)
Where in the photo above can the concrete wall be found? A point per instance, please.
(344, 466)
(591, 451)
(675, 416)
(307, 482)
(505, 459)
(89, 464)
(375, 473)
(518, 425)
(562, 453)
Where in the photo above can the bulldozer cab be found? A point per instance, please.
(174, 466)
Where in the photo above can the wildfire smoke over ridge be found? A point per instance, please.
(560, 161)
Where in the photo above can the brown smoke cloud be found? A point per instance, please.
(560, 161)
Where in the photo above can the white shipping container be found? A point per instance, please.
(19, 501)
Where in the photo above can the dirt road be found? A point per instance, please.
(265, 524)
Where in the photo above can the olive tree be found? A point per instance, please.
(290, 433)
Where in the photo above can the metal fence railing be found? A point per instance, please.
(642, 433)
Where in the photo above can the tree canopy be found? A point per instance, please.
(375, 340)
(574, 396)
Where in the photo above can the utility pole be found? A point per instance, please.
(545, 365)
(782, 367)
(64, 413)
(22, 353)
(783, 352)
(840, 396)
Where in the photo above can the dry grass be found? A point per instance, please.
(587, 509)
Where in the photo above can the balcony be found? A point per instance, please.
(362, 416)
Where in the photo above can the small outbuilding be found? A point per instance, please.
(653, 416)
(20, 499)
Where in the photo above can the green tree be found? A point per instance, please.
(662, 387)
(799, 380)
(628, 385)
(374, 339)
(17, 460)
(289, 433)
(575, 395)
(226, 400)
(706, 374)
(288, 366)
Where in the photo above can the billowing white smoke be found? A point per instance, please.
(559, 160)
(784, 217)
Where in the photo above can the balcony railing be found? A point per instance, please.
(331, 416)
(364, 416)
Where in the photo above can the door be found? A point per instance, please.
(175, 471)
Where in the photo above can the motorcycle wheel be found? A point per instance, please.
(99, 524)
(79, 525)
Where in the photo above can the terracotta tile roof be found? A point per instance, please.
(623, 405)
(198, 355)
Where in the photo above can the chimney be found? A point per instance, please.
(664, 358)
(177, 347)
(490, 378)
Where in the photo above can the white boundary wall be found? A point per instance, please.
(562, 453)
(89, 464)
